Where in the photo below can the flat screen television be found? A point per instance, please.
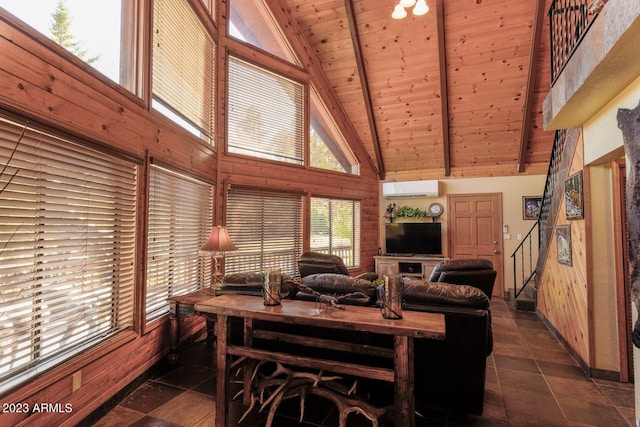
(414, 238)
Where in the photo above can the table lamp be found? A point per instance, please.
(218, 244)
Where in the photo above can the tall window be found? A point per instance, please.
(67, 250)
(266, 227)
(266, 114)
(180, 219)
(252, 22)
(103, 37)
(183, 68)
(335, 228)
(327, 147)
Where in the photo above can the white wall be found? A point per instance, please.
(603, 142)
(603, 139)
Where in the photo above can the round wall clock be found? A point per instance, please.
(435, 209)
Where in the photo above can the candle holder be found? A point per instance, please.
(271, 286)
(392, 297)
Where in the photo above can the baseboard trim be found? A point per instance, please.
(593, 373)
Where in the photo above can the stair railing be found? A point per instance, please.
(569, 22)
(525, 259)
(534, 246)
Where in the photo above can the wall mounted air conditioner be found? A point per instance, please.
(423, 188)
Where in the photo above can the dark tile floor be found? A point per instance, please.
(531, 381)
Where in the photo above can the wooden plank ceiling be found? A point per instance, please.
(447, 91)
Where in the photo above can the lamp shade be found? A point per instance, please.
(218, 241)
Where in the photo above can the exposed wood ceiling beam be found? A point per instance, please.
(444, 93)
(531, 80)
(355, 38)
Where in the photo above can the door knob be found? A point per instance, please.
(496, 252)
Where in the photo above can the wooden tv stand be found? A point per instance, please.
(414, 266)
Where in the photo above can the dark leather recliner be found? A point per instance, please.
(473, 272)
(316, 263)
(450, 375)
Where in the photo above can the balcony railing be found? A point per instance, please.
(569, 22)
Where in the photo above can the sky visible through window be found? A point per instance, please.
(93, 24)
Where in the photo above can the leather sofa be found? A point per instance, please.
(473, 272)
(449, 374)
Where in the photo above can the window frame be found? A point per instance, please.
(242, 237)
(277, 46)
(285, 72)
(135, 87)
(73, 207)
(356, 232)
(162, 101)
(183, 247)
(337, 137)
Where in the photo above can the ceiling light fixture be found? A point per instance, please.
(420, 8)
(399, 12)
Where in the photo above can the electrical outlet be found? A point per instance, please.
(505, 228)
(76, 381)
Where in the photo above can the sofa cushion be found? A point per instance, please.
(247, 279)
(338, 285)
(422, 292)
(251, 283)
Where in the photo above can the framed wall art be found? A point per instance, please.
(573, 196)
(531, 207)
(563, 242)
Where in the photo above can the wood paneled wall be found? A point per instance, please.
(41, 82)
(563, 291)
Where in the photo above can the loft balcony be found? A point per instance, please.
(594, 57)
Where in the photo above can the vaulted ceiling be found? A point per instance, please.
(454, 92)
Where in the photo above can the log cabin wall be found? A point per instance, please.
(563, 290)
(52, 89)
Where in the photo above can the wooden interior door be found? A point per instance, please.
(623, 279)
(475, 230)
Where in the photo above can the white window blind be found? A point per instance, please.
(67, 249)
(335, 228)
(183, 66)
(266, 114)
(267, 229)
(180, 219)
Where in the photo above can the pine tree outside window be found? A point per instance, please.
(105, 40)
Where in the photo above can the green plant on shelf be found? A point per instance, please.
(407, 212)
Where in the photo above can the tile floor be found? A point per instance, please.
(531, 381)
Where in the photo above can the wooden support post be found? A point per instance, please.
(222, 334)
(404, 382)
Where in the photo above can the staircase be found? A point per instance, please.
(530, 256)
(525, 259)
